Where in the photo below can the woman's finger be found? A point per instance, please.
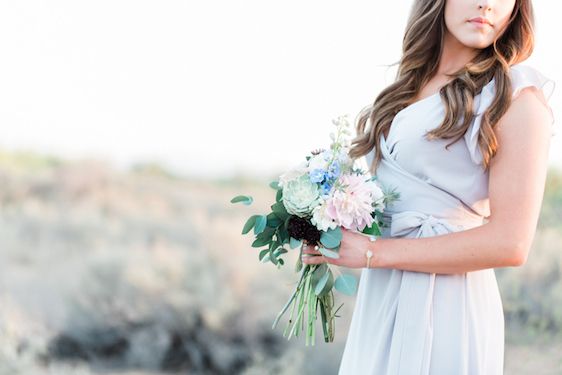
(313, 259)
(309, 249)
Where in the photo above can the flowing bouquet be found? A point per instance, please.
(313, 202)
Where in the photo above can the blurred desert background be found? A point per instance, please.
(106, 271)
(125, 129)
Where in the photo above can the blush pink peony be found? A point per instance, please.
(351, 204)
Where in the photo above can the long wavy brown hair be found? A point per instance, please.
(421, 50)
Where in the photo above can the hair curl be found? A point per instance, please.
(421, 49)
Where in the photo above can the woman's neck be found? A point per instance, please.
(454, 55)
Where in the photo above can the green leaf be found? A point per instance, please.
(263, 253)
(273, 221)
(245, 199)
(280, 250)
(372, 230)
(249, 224)
(279, 209)
(346, 284)
(294, 243)
(331, 238)
(283, 235)
(261, 221)
(279, 196)
(329, 252)
(274, 185)
(259, 242)
(273, 259)
(266, 233)
(325, 284)
(317, 273)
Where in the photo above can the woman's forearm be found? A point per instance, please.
(457, 252)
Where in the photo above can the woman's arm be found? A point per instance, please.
(516, 186)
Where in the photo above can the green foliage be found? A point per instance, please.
(245, 199)
(249, 224)
(259, 226)
(294, 243)
(263, 253)
(331, 238)
(346, 283)
(372, 230)
(330, 253)
(324, 282)
(279, 209)
(259, 242)
(273, 220)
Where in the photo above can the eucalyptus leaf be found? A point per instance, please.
(273, 221)
(245, 199)
(280, 250)
(279, 195)
(259, 242)
(329, 253)
(294, 243)
(325, 284)
(283, 235)
(299, 264)
(274, 185)
(346, 284)
(261, 221)
(249, 224)
(279, 209)
(267, 233)
(273, 258)
(263, 253)
(318, 273)
(331, 238)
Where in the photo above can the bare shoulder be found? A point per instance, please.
(528, 115)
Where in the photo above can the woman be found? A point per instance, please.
(463, 135)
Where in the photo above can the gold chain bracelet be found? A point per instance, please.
(369, 253)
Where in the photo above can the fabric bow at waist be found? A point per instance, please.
(404, 222)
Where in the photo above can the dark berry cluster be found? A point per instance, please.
(302, 229)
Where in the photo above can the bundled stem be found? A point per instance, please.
(305, 296)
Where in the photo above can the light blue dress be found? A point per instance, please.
(417, 323)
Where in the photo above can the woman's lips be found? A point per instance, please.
(480, 21)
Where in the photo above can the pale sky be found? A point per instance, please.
(208, 88)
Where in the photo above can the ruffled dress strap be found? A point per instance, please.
(522, 76)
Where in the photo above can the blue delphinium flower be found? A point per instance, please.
(325, 188)
(334, 171)
(317, 175)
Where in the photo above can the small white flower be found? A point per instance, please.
(321, 219)
(293, 174)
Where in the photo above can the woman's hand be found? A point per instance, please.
(352, 252)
